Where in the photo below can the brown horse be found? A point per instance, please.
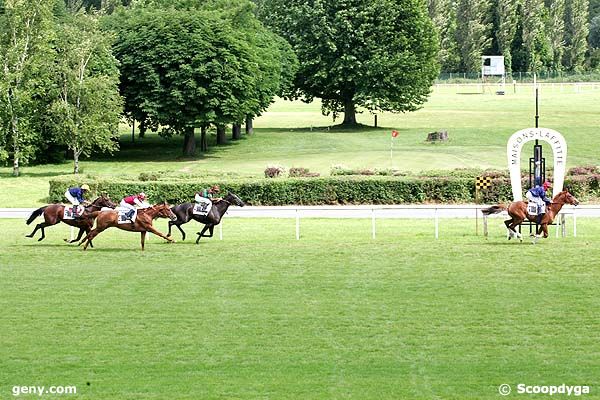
(517, 212)
(53, 214)
(142, 224)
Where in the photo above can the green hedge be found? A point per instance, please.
(324, 190)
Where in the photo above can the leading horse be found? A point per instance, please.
(185, 213)
(142, 223)
(517, 211)
(54, 213)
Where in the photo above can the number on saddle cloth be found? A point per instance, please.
(203, 207)
(534, 208)
(72, 212)
(126, 215)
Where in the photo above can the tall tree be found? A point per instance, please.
(473, 32)
(594, 38)
(25, 31)
(506, 11)
(86, 113)
(555, 26)
(576, 33)
(443, 16)
(535, 42)
(380, 54)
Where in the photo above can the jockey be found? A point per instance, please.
(75, 195)
(129, 202)
(207, 194)
(537, 194)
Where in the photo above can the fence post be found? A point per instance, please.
(436, 223)
(297, 225)
(563, 221)
(373, 223)
(485, 226)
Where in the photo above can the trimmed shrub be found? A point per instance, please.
(298, 172)
(274, 171)
(324, 190)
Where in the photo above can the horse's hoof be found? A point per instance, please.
(40, 239)
(29, 236)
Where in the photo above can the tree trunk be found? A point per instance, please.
(203, 143)
(249, 125)
(236, 131)
(221, 138)
(142, 129)
(133, 132)
(75, 162)
(16, 166)
(349, 112)
(189, 142)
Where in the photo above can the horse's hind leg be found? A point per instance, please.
(42, 226)
(511, 231)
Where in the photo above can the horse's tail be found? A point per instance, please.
(494, 209)
(35, 214)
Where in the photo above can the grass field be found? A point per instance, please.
(261, 315)
(479, 126)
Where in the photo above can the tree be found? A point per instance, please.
(473, 32)
(25, 31)
(443, 16)
(594, 38)
(506, 11)
(380, 54)
(196, 65)
(535, 42)
(576, 33)
(85, 115)
(555, 26)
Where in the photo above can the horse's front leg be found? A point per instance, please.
(157, 233)
(201, 233)
(143, 238)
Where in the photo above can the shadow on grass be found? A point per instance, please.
(329, 128)
(46, 174)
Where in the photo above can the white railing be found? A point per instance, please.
(373, 212)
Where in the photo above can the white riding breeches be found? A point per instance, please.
(71, 199)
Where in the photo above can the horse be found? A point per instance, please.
(518, 213)
(142, 223)
(53, 214)
(184, 213)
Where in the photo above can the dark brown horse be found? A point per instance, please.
(53, 214)
(142, 224)
(517, 211)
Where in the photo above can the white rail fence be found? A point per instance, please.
(432, 212)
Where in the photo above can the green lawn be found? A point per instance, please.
(479, 126)
(261, 315)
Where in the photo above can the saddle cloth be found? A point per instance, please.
(122, 217)
(202, 208)
(69, 214)
(535, 209)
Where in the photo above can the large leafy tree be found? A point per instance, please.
(535, 42)
(381, 54)
(192, 66)
(85, 115)
(25, 31)
(555, 26)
